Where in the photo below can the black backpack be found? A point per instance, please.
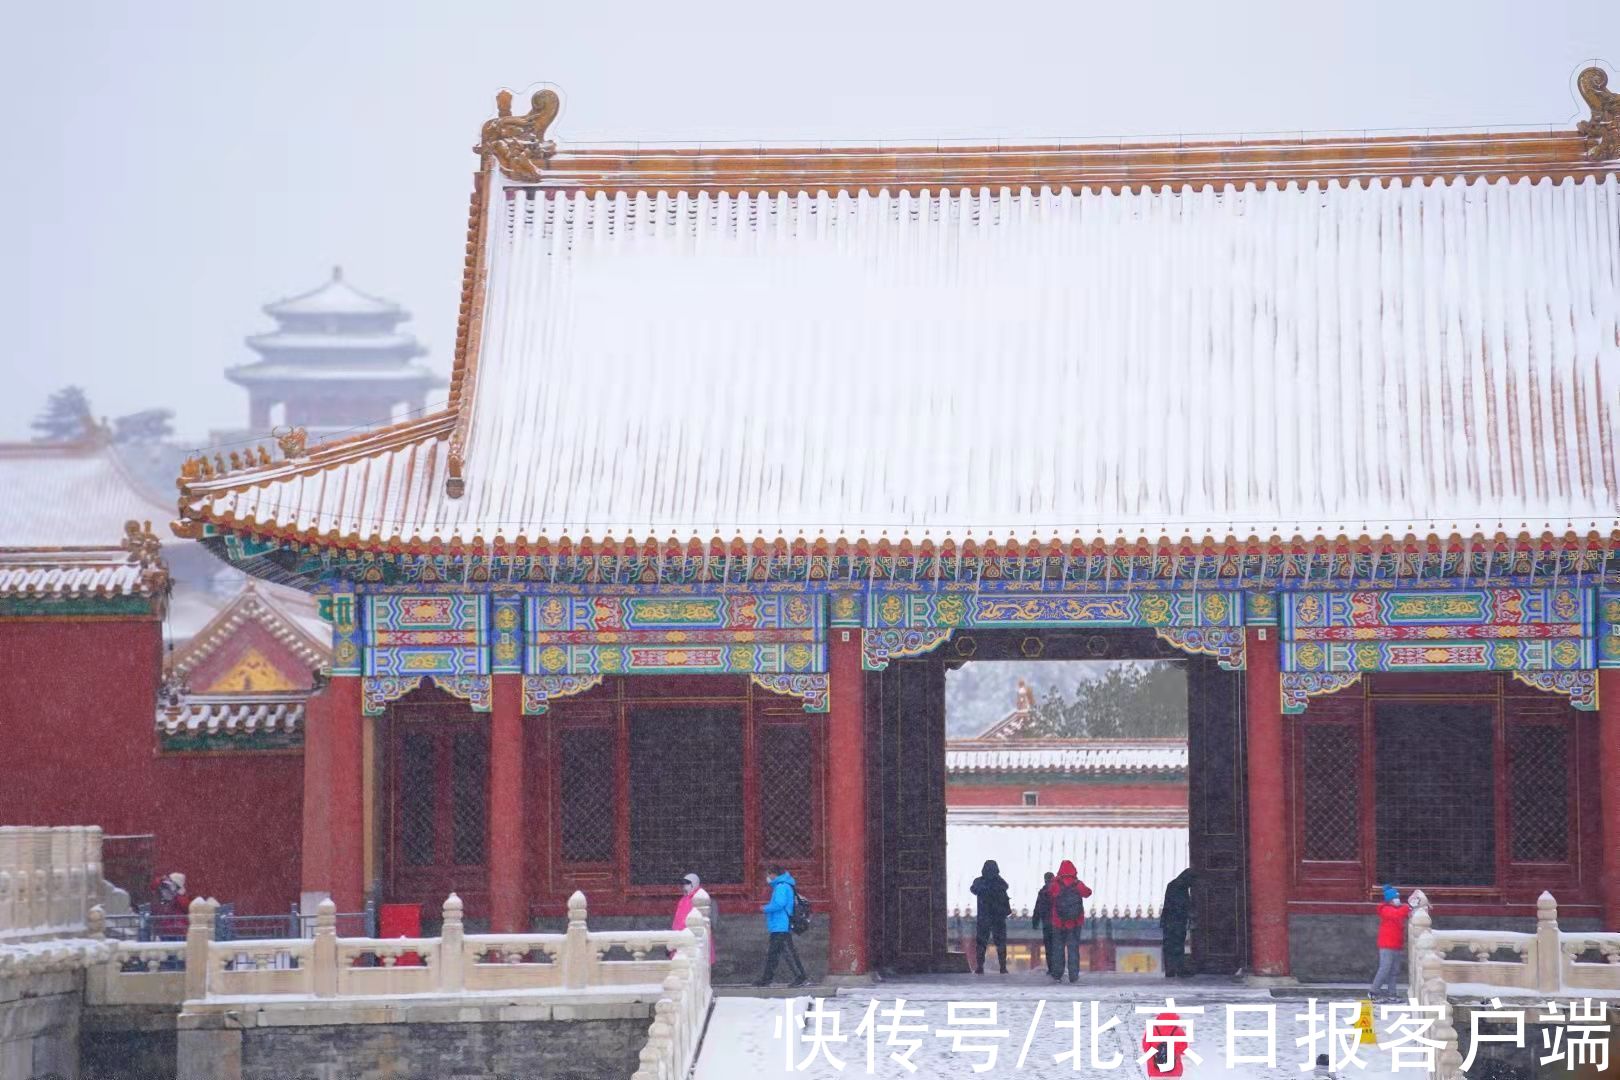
(1069, 905)
(799, 918)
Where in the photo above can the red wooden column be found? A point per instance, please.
(846, 805)
(508, 903)
(1609, 777)
(1268, 808)
(334, 794)
(316, 866)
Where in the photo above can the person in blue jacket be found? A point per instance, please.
(778, 914)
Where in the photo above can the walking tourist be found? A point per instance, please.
(683, 908)
(1173, 918)
(990, 923)
(778, 923)
(1042, 920)
(1068, 895)
(1392, 916)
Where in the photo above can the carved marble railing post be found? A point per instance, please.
(61, 899)
(78, 878)
(9, 910)
(452, 939)
(22, 878)
(578, 957)
(1448, 1060)
(673, 1006)
(1549, 947)
(1419, 926)
(199, 936)
(325, 949)
(92, 864)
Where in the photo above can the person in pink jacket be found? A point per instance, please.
(684, 908)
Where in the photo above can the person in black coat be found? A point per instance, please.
(1173, 918)
(1042, 921)
(991, 921)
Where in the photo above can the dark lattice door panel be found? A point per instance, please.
(786, 767)
(469, 803)
(686, 795)
(1538, 774)
(1331, 773)
(418, 824)
(589, 797)
(1434, 780)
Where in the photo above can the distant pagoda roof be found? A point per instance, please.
(334, 297)
(335, 333)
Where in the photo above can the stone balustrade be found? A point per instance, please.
(50, 878)
(201, 969)
(1545, 965)
(682, 1010)
(1546, 962)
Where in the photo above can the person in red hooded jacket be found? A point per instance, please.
(1068, 914)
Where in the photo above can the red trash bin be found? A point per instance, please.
(401, 921)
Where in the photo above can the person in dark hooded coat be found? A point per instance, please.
(991, 921)
(1042, 921)
(1174, 916)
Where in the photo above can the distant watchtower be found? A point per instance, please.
(336, 360)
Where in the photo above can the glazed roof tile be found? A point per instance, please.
(1317, 339)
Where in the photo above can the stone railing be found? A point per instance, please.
(682, 1011)
(50, 878)
(1545, 964)
(327, 966)
(50, 893)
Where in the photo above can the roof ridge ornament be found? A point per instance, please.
(1602, 131)
(518, 143)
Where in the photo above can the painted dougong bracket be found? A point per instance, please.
(811, 688)
(1224, 643)
(878, 647)
(376, 691)
(1580, 686)
(1298, 687)
(540, 690)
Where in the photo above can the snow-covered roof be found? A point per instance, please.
(260, 604)
(69, 495)
(224, 713)
(1127, 866)
(976, 757)
(1316, 339)
(333, 297)
(395, 343)
(61, 573)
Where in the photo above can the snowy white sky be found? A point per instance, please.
(171, 166)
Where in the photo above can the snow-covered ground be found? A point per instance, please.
(745, 1042)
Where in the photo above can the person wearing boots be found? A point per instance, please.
(990, 924)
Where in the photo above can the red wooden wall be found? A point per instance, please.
(77, 728)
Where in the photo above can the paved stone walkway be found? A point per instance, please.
(744, 1040)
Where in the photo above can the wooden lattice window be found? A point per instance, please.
(1332, 790)
(588, 788)
(1434, 767)
(418, 824)
(443, 796)
(786, 756)
(469, 809)
(686, 795)
(1538, 775)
